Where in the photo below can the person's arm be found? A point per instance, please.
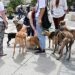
(42, 10)
(4, 18)
(42, 5)
(31, 22)
(65, 6)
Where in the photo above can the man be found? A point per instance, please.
(40, 8)
(3, 25)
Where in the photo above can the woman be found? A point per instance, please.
(58, 9)
(31, 16)
(3, 25)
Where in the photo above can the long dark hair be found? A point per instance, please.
(57, 3)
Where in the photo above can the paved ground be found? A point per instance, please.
(31, 64)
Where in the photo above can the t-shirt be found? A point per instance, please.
(40, 4)
(58, 11)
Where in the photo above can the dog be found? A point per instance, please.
(65, 37)
(64, 27)
(51, 36)
(10, 36)
(20, 39)
(32, 42)
(67, 40)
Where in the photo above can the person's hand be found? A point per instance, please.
(66, 11)
(35, 33)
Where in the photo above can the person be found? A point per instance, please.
(31, 16)
(58, 9)
(3, 25)
(27, 22)
(40, 9)
(20, 12)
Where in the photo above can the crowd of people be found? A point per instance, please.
(33, 19)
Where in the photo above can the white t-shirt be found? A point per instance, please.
(58, 11)
(40, 4)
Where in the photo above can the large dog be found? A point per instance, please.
(20, 39)
(12, 35)
(67, 40)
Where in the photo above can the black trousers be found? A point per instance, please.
(30, 31)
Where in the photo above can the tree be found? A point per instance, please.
(33, 1)
(14, 3)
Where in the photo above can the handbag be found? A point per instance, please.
(45, 21)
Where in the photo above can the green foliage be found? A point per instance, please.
(14, 3)
(33, 1)
(10, 10)
(70, 2)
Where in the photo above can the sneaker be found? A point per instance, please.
(40, 51)
(3, 54)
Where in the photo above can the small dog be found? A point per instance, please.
(51, 36)
(32, 41)
(20, 39)
(10, 36)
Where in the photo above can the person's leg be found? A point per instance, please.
(1, 46)
(28, 31)
(40, 36)
(56, 23)
(32, 32)
(2, 27)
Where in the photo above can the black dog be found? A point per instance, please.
(10, 36)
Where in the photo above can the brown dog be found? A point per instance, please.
(20, 39)
(67, 40)
(51, 36)
(64, 27)
(32, 41)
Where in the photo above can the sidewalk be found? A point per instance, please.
(31, 64)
